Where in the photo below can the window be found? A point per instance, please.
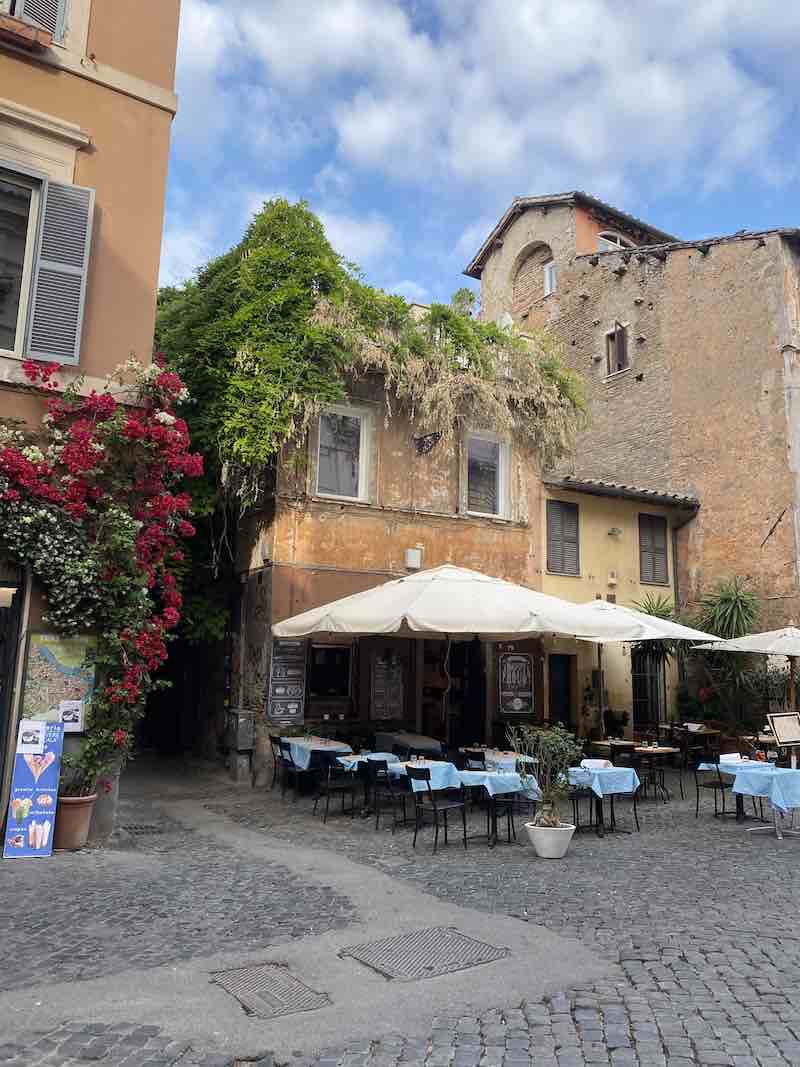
(329, 672)
(48, 15)
(342, 458)
(45, 237)
(563, 553)
(653, 567)
(549, 277)
(612, 242)
(487, 475)
(617, 349)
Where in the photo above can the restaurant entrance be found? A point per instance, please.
(559, 675)
(467, 711)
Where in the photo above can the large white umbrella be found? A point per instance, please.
(639, 626)
(457, 603)
(785, 642)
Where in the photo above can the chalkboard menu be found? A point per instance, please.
(287, 681)
(516, 683)
(387, 687)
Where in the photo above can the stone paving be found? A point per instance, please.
(700, 918)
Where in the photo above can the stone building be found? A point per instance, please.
(86, 108)
(690, 351)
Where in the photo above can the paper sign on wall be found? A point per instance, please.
(34, 789)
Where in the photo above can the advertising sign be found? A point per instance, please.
(287, 687)
(516, 683)
(34, 789)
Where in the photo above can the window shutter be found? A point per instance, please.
(59, 279)
(646, 562)
(620, 346)
(563, 555)
(660, 550)
(47, 14)
(653, 549)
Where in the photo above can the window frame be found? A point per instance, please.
(653, 519)
(550, 277)
(30, 180)
(572, 505)
(503, 473)
(612, 335)
(613, 242)
(310, 666)
(363, 454)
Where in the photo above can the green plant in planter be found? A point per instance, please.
(80, 770)
(555, 750)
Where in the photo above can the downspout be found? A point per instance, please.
(676, 585)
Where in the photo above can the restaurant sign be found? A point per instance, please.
(515, 672)
(287, 681)
(34, 789)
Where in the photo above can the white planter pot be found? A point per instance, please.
(550, 842)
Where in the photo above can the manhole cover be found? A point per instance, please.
(269, 990)
(425, 953)
(143, 828)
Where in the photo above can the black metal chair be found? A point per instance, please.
(277, 757)
(289, 768)
(440, 802)
(500, 806)
(711, 780)
(386, 790)
(335, 781)
(474, 759)
(403, 752)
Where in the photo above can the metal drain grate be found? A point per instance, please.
(424, 953)
(140, 828)
(268, 990)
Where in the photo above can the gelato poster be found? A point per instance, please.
(34, 789)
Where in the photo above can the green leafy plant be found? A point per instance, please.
(554, 751)
(729, 611)
(80, 771)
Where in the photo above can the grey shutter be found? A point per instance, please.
(620, 346)
(653, 549)
(563, 550)
(47, 14)
(60, 270)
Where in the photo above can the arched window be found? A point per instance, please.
(535, 279)
(612, 242)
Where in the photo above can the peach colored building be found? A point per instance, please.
(86, 108)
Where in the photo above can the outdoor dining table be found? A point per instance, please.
(605, 782)
(302, 749)
(499, 759)
(779, 786)
(500, 785)
(353, 761)
(419, 743)
(657, 755)
(443, 775)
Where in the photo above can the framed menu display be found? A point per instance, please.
(387, 687)
(786, 727)
(515, 674)
(287, 681)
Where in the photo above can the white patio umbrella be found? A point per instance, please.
(785, 642)
(457, 603)
(640, 626)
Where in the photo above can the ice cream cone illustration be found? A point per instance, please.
(46, 835)
(37, 765)
(32, 834)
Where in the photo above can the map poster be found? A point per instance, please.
(59, 680)
(34, 790)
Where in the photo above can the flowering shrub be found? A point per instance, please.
(90, 504)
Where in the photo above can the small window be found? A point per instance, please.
(549, 277)
(48, 15)
(487, 475)
(653, 566)
(19, 208)
(329, 672)
(612, 242)
(341, 461)
(563, 549)
(617, 349)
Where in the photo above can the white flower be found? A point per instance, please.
(165, 418)
(34, 454)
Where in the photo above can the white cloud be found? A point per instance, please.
(189, 243)
(363, 240)
(413, 292)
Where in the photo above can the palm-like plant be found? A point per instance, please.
(729, 611)
(661, 607)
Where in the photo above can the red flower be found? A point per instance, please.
(185, 529)
(119, 737)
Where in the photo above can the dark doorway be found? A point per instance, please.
(559, 676)
(9, 643)
(649, 682)
(467, 710)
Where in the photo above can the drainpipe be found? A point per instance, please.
(676, 584)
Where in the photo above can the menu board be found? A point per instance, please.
(287, 681)
(515, 672)
(34, 789)
(387, 687)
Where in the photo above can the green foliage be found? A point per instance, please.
(555, 750)
(730, 611)
(661, 607)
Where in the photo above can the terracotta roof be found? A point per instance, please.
(521, 203)
(702, 243)
(629, 492)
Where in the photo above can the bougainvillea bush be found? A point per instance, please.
(91, 501)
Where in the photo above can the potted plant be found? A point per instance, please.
(554, 750)
(77, 791)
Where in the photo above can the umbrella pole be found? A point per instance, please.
(792, 702)
(600, 680)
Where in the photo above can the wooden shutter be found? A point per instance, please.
(653, 549)
(47, 14)
(563, 553)
(59, 275)
(621, 345)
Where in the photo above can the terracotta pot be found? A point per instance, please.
(73, 815)
(550, 842)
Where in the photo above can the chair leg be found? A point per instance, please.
(445, 826)
(697, 804)
(680, 782)
(377, 802)
(327, 806)
(635, 813)
(464, 825)
(435, 831)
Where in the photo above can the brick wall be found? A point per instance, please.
(528, 288)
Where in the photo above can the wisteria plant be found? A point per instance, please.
(91, 503)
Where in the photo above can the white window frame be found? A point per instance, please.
(18, 177)
(503, 474)
(611, 333)
(550, 277)
(364, 439)
(608, 241)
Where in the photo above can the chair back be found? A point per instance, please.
(275, 745)
(474, 759)
(420, 774)
(403, 752)
(286, 751)
(592, 763)
(377, 770)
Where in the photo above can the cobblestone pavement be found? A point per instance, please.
(701, 918)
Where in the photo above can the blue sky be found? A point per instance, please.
(410, 124)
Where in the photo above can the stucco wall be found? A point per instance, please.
(140, 39)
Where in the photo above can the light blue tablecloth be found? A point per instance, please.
(443, 775)
(497, 782)
(351, 762)
(302, 747)
(780, 785)
(605, 781)
(504, 761)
